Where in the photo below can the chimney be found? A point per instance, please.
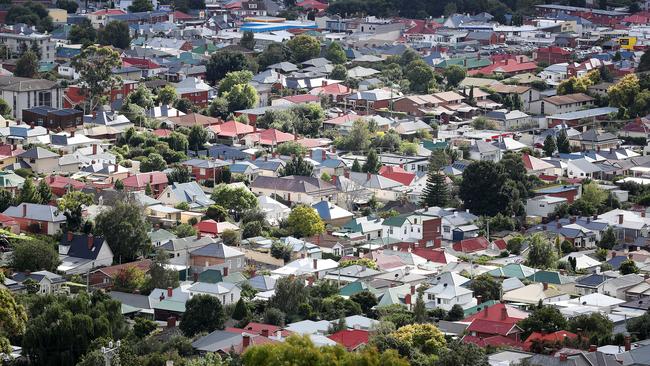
(593, 348)
(620, 219)
(412, 289)
(368, 176)
(315, 263)
(324, 83)
(486, 313)
(630, 256)
(31, 126)
(70, 236)
(310, 281)
(558, 224)
(572, 219)
(504, 313)
(545, 286)
(479, 299)
(628, 343)
(246, 341)
(225, 271)
(407, 299)
(198, 234)
(170, 292)
(115, 166)
(613, 254)
(72, 133)
(24, 210)
(13, 147)
(171, 322)
(95, 149)
(150, 178)
(563, 357)
(90, 241)
(265, 333)
(333, 181)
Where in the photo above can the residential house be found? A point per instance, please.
(543, 206)
(53, 118)
(48, 283)
(497, 323)
(446, 291)
(485, 151)
(562, 104)
(206, 170)
(217, 255)
(157, 182)
(80, 253)
(36, 218)
(295, 189)
(40, 160)
(316, 268)
(227, 293)
(104, 277)
(190, 193)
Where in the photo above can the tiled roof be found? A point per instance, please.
(471, 245)
(351, 339)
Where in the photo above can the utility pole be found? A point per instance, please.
(110, 352)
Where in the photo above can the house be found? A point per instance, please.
(485, 151)
(157, 182)
(351, 339)
(543, 206)
(206, 170)
(561, 104)
(190, 193)
(353, 273)
(509, 120)
(48, 283)
(295, 189)
(331, 213)
(446, 291)
(227, 293)
(569, 191)
(40, 160)
(105, 277)
(552, 55)
(582, 168)
(36, 218)
(534, 293)
(194, 89)
(595, 140)
(214, 229)
(560, 337)
(80, 253)
(217, 255)
(24, 93)
(471, 245)
(218, 341)
(423, 229)
(498, 320)
(179, 248)
(313, 267)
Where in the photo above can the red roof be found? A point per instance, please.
(273, 137)
(108, 12)
(638, 18)
(343, 119)
(495, 341)
(332, 89)
(491, 327)
(302, 98)
(208, 226)
(500, 243)
(554, 337)
(496, 313)
(233, 5)
(397, 174)
(7, 220)
(139, 181)
(505, 66)
(312, 4)
(350, 338)
(430, 254)
(232, 129)
(161, 132)
(179, 15)
(111, 271)
(74, 95)
(257, 328)
(8, 150)
(312, 143)
(471, 245)
(139, 62)
(553, 50)
(419, 26)
(57, 181)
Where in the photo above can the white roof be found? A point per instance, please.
(309, 327)
(306, 266)
(583, 261)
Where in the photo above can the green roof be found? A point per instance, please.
(354, 288)
(128, 309)
(161, 235)
(551, 277)
(512, 270)
(205, 48)
(175, 306)
(385, 241)
(475, 309)
(468, 63)
(11, 179)
(396, 221)
(430, 145)
(235, 278)
(210, 276)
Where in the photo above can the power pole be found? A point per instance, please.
(110, 352)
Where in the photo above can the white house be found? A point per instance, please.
(227, 293)
(307, 266)
(543, 206)
(447, 292)
(79, 253)
(581, 168)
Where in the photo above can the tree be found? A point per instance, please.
(358, 139)
(116, 34)
(425, 338)
(142, 96)
(125, 230)
(29, 193)
(455, 313)
(487, 287)
(34, 255)
(593, 195)
(366, 299)
(274, 316)
(540, 252)
(217, 213)
(219, 108)
(129, 279)
(234, 78)
(336, 54)
(290, 293)
(69, 6)
(303, 221)
(72, 204)
(247, 40)
(95, 67)
(563, 146)
(644, 63)
(356, 167)
(436, 192)
(184, 230)
(608, 240)
(198, 137)
(241, 96)
(454, 75)
(623, 93)
(481, 188)
(372, 164)
(140, 6)
(159, 276)
(13, 319)
(234, 199)
(273, 54)
(179, 174)
(420, 310)
(6, 199)
(594, 324)
(203, 313)
(297, 166)
(420, 76)
(153, 163)
(280, 250)
(545, 319)
(307, 119)
(44, 192)
(82, 33)
(167, 95)
(640, 326)
(339, 72)
(223, 62)
(5, 109)
(241, 310)
(27, 65)
(628, 267)
(143, 327)
(549, 146)
(459, 353)
(366, 262)
(185, 105)
(303, 47)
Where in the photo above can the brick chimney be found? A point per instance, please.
(91, 241)
(150, 177)
(545, 286)
(246, 341)
(95, 149)
(620, 219)
(72, 133)
(563, 357)
(70, 236)
(198, 234)
(170, 292)
(225, 271)
(412, 289)
(171, 322)
(315, 263)
(479, 299)
(593, 348)
(628, 343)
(265, 333)
(504, 313)
(407, 299)
(368, 176)
(24, 210)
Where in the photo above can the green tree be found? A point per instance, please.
(290, 293)
(241, 96)
(303, 47)
(143, 327)
(644, 63)
(549, 146)
(203, 313)
(358, 139)
(217, 213)
(140, 6)
(628, 267)
(159, 276)
(69, 6)
(34, 255)
(640, 326)
(273, 316)
(459, 353)
(13, 319)
(29, 193)
(185, 105)
(420, 76)
(234, 78)
(336, 54)
(6, 199)
(129, 279)
(116, 34)
(593, 195)
(339, 72)
(623, 93)
(366, 262)
(297, 166)
(219, 108)
(545, 319)
(241, 310)
(223, 62)
(273, 54)
(541, 253)
(594, 324)
(372, 164)
(5, 109)
(179, 174)
(366, 299)
(481, 188)
(142, 96)
(608, 240)
(563, 146)
(454, 75)
(82, 33)
(486, 287)
(184, 230)
(456, 313)
(356, 167)
(153, 163)
(72, 205)
(27, 65)
(420, 310)
(44, 192)
(198, 137)
(280, 250)
(167, 95)
(125, 230)
(95, 67)
(177, 141)
(234, 199)
(303, 221)
(247, 40)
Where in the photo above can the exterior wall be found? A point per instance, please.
(198, 98)
(431, 232)
(28, 99)
(52, 121)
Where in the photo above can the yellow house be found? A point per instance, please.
(627, 43)
(58, 15)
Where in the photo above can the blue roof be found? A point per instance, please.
(256, 27)
(556, 189)
(616, 261)
(592, 280)
(587, 113)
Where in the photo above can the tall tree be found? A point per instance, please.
(167, 95)
(303, 221)
(372, 164)
(72, 204)
(336, 54)
(549, 146)
(223, 62)
(125, 230)
(95, 67)
(644, 63)
(27, 65)
(436, 192)
(197, 138)
(274, 53)
(248, 40)
(481, 188)
(34, 255)
(116, 34)
(159, 275)
(29, 193)
(545, 319)
(541, 253)
(297, 166)
(233, 78)
(303, 47)
(44, 192)
(6, 199)
(13, 319)
(82, 33)
(563, 145)
(420, 76)
(203, 313)
(454, 75)
(140, 6)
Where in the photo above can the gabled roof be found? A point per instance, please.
(471, 245)
(397, 174)
(38, 153)
(83, 246)
(217, 250)
(34, 211)
(141, 180)
(351, 339)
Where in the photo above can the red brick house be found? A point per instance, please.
(552, 55)
(74, 95)
(498, 320)
(105, 277)
(203, 170)
(138, 182)
(61, 185)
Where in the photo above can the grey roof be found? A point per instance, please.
(284, 66)
(79, 247)
(135, 300)
(38, 276)
(35, 211)
(483, 147)
(217, 250)
(189, 242)
(262, 283)
(580, 359)
(320, 61)
(191, 193)
(585, 165)
(219, 288)
(219, 340)
(38, 153)
(12, 83)
(294, 183)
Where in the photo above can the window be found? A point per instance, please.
(232, 297)
(45, 98)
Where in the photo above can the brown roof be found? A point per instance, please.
(569, 99)
(192, 119)
(423, 99)
(113, 270)
(11, 83)
(508, 89)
